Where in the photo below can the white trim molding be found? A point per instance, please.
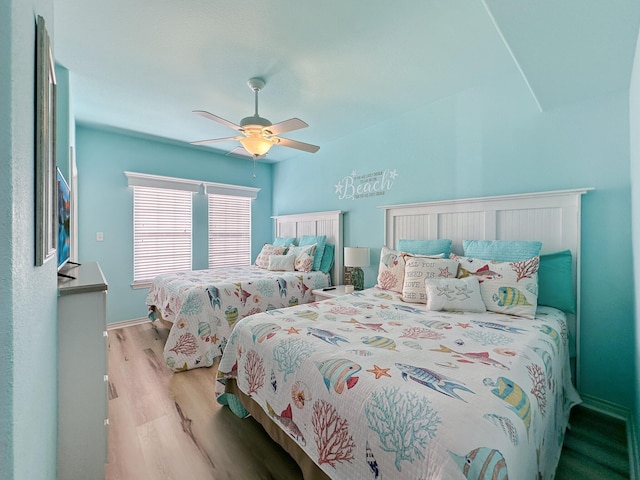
(158, 181)
(231, 190)
(173, 183)
(127, 323)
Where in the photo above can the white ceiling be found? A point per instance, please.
(339, 65)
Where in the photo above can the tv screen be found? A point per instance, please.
(64, 220)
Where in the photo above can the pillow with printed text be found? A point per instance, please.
(419, 269)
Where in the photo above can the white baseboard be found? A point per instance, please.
(127, 323)
(624, 414)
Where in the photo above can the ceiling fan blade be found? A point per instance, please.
(216, 118)
(307, 147)
(214, 140)
(287, 126)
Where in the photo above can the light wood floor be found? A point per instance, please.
(169, 426)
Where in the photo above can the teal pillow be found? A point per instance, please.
(284, 241)
(501, 250)
(327, 258)
(426, 247)
(555, 283)
(320, 241)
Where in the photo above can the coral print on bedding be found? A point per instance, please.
(372, 387)
(204, 305)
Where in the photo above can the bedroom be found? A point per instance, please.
(489, 139)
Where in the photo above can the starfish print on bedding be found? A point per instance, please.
(379, 372)
(293, 330)
(445, 292)
(463, 292)
(444, 272)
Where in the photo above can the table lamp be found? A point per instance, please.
(354, 258)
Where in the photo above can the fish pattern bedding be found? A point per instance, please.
(204, 305)
(372, 387)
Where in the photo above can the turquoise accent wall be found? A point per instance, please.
(105, 203)
(28, 294)
(492, 140)
(634, 116)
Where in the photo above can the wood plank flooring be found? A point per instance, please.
(168, 426)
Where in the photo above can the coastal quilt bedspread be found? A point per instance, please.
(204, 305)
(371, 387)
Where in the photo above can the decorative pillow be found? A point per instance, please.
(391, 270)
(426, 247)
(555, 281)
(319, 241)
(282, 262)
(501, 250)
(304, 257)
(284, 241)
(262, 260)
(327, 258)
(419, 269)
(506, 287)
(454, 294)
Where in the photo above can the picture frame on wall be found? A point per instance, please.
(45, 146)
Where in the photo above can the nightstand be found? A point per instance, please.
(323, 294)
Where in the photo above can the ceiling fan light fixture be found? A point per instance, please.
(256, 146)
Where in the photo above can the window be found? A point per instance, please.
(229, 231)
(161, 232)
(162, 224)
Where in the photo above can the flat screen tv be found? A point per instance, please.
(64, 221)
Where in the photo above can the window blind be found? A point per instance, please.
(229, 230)
(161, 232)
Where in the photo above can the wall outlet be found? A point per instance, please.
(99, 236)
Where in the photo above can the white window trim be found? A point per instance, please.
(230, 190)
(160, 181)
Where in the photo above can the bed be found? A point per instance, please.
(204, 305)
(378, 384)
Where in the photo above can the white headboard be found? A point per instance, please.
(550, 217)
(316, 223)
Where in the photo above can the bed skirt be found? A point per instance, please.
(310, 471)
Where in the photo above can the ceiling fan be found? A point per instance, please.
(258, 133)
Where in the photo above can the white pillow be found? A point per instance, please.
(506, 287)
(391, 270)
(281, 263)
(454, 295)
(304, 257)
(418, 269)
(262, 260)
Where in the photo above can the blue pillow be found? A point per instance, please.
(426, 247)
(284, 241)
(555, 283)
(327, 258)
(501, 250)
(320, 241)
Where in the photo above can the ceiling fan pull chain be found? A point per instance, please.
(254, 166)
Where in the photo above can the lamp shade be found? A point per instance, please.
(356, 256)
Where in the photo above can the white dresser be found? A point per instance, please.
(82, 373)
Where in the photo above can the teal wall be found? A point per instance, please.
(105, 203)
(28, 294)
(485, 141)
(634, 121)
(492, 140)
